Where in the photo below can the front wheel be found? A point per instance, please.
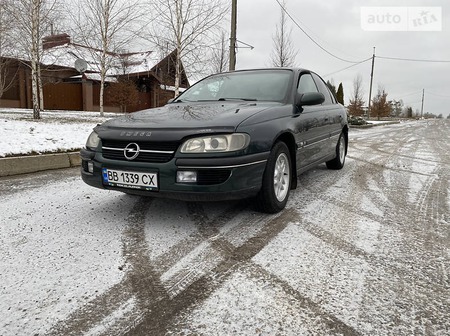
(276, 184)
(339, 160)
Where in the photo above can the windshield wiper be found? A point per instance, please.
(244, 99)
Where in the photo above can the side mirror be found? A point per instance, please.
(309, 98)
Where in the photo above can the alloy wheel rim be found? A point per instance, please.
(281, 177)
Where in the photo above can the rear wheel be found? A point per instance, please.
(276, 184)
(339, 160)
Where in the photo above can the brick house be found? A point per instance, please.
(67, 89)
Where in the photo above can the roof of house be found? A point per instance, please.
(66, 54)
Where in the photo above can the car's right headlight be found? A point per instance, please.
(216, 143)
(93, 141)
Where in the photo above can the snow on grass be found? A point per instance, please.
(56, 131)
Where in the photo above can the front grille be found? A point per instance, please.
(214, 176)
(113, 150)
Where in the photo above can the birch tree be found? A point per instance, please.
(33, 18)
(7, 51)
(107, 27)
(284, 52)
(187, 26)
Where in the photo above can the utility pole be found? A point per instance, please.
(233, 35)
(423, 97)
(371, 81)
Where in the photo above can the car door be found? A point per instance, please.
(311, 127)
(332, 115)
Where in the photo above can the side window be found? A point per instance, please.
(323, 88)
(306, 84)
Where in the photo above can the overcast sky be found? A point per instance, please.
(336, 26)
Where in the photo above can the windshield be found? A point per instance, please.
(271, 85)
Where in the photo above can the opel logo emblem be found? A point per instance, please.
(131, 151)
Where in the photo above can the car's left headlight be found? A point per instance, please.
(216, 143)
(93, 141)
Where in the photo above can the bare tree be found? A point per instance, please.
(107, 28)
(33, 18)
(220, 54)
(186, 26)
(283, 53)
(356, 106)
(7, 74)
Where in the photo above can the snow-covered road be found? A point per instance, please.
(364, 250)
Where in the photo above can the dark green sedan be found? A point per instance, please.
(232, 135)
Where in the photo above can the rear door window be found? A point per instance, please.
(323, 88)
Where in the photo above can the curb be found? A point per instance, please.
(374, 125)
(34, 163)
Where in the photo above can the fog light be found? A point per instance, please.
(184, 176)
(90, 167)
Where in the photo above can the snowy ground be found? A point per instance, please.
(55, 131)
(360, 251)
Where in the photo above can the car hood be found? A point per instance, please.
(175, 121)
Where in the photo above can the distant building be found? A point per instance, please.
(65, 88)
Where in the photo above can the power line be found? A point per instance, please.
(438, 95)
(412, 59)
(316, 43)
(332, 73)
(410, 94)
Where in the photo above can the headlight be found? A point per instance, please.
(93, 141)
(216, 143)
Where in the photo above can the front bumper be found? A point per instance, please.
(220, 178)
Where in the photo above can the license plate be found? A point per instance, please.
(133, 180)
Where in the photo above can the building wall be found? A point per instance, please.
(63, 91)
(63, 96)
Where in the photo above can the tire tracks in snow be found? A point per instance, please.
(140, 285)
(142, 304)
(383, 180)
(409, 258)
(157, 321)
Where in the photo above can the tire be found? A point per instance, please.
(276, 184)
(341, 152)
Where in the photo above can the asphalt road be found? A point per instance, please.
(360, 251)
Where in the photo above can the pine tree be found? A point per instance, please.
(356, 106)
(340, 94)
(380, 105)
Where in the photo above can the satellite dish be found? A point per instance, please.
(80, 65)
